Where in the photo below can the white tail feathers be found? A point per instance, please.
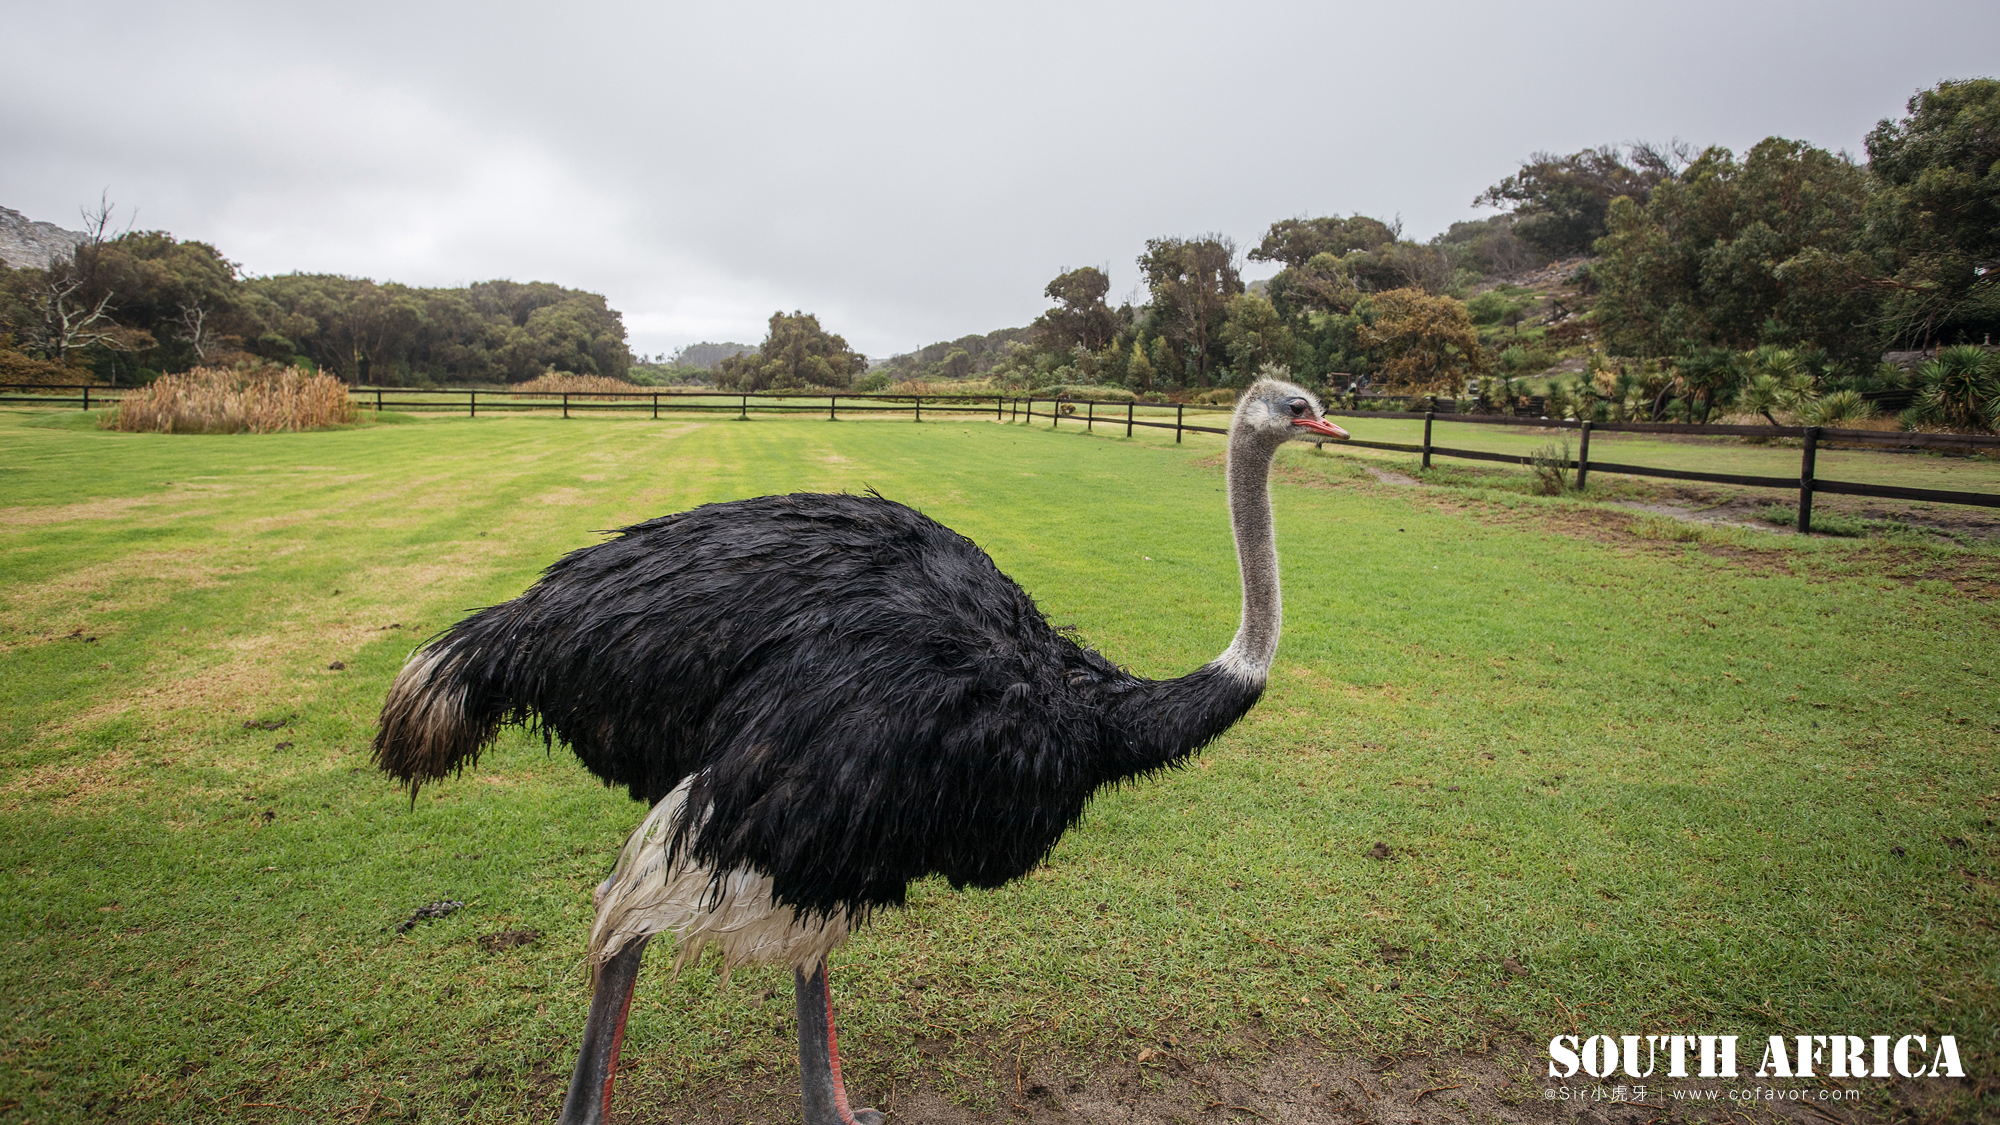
(425, 732)
(644, 896)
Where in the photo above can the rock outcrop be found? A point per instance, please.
(24, 243)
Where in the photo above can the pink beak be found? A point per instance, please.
(1322, 426)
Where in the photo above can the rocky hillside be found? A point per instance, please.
(24, 243)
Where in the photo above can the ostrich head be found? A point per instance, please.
(1277, 411)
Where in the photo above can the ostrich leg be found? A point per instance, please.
(822, 1093)
(589, 1100)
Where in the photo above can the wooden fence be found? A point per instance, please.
(1128, 414)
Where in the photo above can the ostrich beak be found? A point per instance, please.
(1323, 427)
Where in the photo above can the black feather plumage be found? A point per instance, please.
(863, 697)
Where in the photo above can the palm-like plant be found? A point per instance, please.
(1960, 389)
(1845, 405)
(1778, 380)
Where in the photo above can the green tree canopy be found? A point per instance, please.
(1732, 254)
(1298, 241)
(1561, 203)
(1192, 280)
(797, 352)
(491, 331)
(1253, 334)
(1080, 318)
(1938, 213)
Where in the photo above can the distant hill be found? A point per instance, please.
(706, 355)
(27, 244)
(982, 352)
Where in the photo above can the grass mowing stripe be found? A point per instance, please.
(1669, 783)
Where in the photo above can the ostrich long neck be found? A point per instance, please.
(1249, 656)
(1160, 722)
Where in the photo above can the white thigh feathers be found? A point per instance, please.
(644, 896)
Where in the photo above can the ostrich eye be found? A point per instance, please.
(1298, 407)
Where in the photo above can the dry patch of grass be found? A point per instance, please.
(110, 508)
(140, 581)
(71, 782)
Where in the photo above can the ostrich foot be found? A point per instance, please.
(822, 1093)
(589, 1100)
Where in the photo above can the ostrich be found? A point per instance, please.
(823, 698)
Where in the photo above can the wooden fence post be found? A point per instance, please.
(1428, 415)
(1089, 415)
(656, 406)
(1179, 409)
(1806, 479)
(1128, 419)
(472, 404)
(999, 407)
(831, 402)
(920, 408)
(743, 410)
(86, 396)
(378, 402)
(1055, 414)
(1583, 458)
(565, 395)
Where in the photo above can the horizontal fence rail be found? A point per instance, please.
(1091, 413)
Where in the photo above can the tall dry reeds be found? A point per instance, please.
(226, 400)
(938, 387)
(562, 382)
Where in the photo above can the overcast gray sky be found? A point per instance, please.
(910, 172)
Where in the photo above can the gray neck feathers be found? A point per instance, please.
(1249, 655)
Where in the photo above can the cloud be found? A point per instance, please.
(909, 172)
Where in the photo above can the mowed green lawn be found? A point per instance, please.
(1685, 790)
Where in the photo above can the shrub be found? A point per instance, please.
(1959, 389)
(938, 387)
(1080, 391)
(1551, 464)
(17, 367)
(1517, 360)
(550, 383)
(218, 400)
(1487, 308)
(1836, 409)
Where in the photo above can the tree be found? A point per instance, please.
(1491, 246)
(796, 352)
(184, 296)
(1192, 280)
(69, 303)
(1735, 254)
(1253, 334)
(1080, 316)
(491, 331)
(1298, 241)
(1138, 368)
(1426, 343)
(1561, 203)
(1938, 213)
(1320, 285)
